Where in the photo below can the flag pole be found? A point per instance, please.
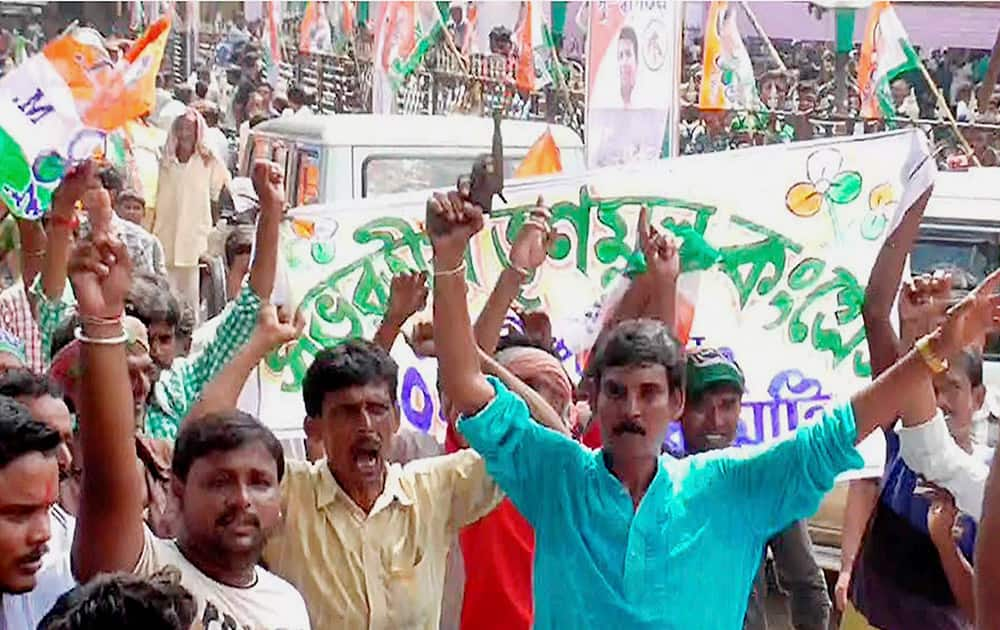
(760, 31)
(452, 48)
(947, 110)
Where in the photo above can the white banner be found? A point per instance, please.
(632, 76)
(777, 246)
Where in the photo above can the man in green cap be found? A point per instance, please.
(710, 420)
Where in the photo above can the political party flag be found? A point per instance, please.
(468, 43)
(347, 17)
(59, 106)
(314, 32)
(404, 34)
(272, 40)
(727, 74)
(534, 48)
(543, 158)
(131, 91)
(886, 53)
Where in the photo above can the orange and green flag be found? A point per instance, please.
(59, 106)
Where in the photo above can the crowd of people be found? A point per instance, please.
(134, 493)
(798, 101)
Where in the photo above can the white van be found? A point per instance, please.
(351, 156)
(961, 228)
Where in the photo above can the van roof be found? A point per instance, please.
(417, 131)
(966, 196)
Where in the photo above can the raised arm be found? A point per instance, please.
(33, 241)
(526, 255)
(663, 266)
(109, 534)
(451, 221)
(904, 390)
(274, 329)
(883, 283)
(62, 223)
(269, 183)
(407, 296)
(522, 456)
(179, 387)
(653, 293)
(805, 467)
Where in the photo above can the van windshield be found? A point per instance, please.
(978, 258)
(973, 254)
(387, 174)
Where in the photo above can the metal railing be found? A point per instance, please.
(441, 85)
(704, 131)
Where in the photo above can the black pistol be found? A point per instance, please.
(486, 179)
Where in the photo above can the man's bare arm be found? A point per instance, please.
(891, 395)
(527, 254)
(269, 183)
(451, 222)
(62, 219)
(407, 296)
(883, 284)
(109, 529)
(273, 330)
(33, 247)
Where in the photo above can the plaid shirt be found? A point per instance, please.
(51, 313)
(16, 318)
(180, 386)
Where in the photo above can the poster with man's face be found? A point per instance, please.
(632, 64)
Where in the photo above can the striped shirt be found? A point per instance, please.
(16, 318)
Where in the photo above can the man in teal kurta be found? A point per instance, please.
(625, 537)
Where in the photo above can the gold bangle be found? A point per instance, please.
(37, 253)
(936, 364)
(451, 272)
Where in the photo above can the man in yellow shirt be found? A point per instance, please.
(365, 541)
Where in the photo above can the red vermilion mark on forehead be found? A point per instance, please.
(52, 490)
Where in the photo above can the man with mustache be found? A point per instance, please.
(623, 536)
(710, 421)
(29, 487)
(367, 541)
(226, 470)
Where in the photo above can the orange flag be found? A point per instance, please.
(130, 91)
(543, 158)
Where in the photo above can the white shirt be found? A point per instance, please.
(54, 578)
(930, 451)
(269, 603)
(219, 144)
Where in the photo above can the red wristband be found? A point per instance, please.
(72, 223)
